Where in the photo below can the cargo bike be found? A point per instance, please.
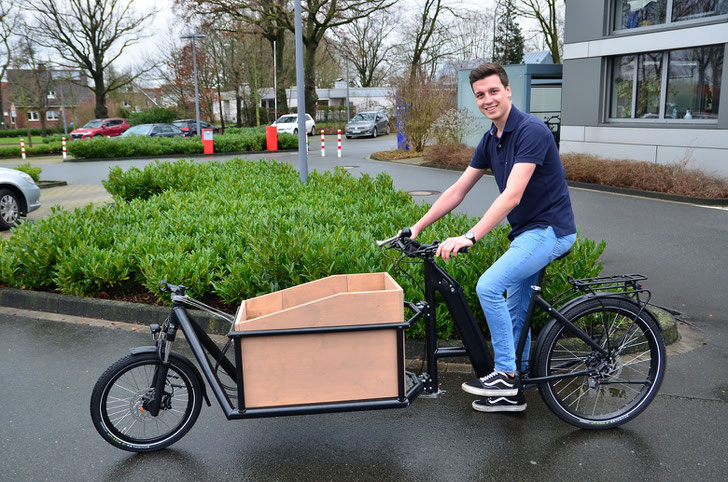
(337, 344)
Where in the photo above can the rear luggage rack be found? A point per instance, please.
(623, 284)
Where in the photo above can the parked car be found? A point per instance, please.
(19, 195)
(154, 130)
(289, 124)
(367, 124)
(101, 127)
(189, 126)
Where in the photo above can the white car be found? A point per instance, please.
(19, 195)
(289, 124)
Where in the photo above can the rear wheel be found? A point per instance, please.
(9, 208)
(117, 403)
(374, 132)
(621, 384)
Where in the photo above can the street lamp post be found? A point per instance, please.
(194, 64)
(348, 117)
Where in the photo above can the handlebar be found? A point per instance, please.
(165, 287)
(411, 248)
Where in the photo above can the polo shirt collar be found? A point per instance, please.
(513, 118)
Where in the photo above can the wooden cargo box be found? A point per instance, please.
(294, 369)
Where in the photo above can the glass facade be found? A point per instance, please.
(685, 83)
(630, 14)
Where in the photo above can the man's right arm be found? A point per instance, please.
(449, 199)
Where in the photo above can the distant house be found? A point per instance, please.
(55, 93)
(643, 80)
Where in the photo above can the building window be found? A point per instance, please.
(693, 83)
(679, 84)
(690, 9)
(52, 115)
(639, 13)
(630, 14)
(33, 115)
(51, 94)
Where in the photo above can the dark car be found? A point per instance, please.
(101, 127)
(154, 130)
(367, 124)
(189, 126)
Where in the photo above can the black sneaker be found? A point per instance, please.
(501, 404)
(497, 384)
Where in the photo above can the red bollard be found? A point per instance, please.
(64, 147)
(22, 148)
(339, 146)
(271, 138)
(323, 149)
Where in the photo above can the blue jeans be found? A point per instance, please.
(515, 272)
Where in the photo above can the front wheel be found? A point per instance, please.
(621, 384)
(118, 397)
(9, 208)
(374, 133)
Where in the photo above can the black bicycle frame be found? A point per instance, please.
(474, 345)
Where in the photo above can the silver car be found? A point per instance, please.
(19, 195)
(367, 124)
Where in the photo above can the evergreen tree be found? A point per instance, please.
(507, 38)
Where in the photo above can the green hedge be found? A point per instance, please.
(239, 140)
(239, 229)
(34, 132)
(156, 115)
(55, 147)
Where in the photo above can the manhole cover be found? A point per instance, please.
(422, 192)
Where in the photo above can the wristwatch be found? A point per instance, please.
(470, 237)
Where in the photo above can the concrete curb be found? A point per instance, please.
(128, 312)
(50, 184)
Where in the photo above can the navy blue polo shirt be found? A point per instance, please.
(545, 201)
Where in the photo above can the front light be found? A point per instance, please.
(26, 177)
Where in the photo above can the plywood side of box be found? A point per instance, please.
(319, 368)
(296, 295)
(364, 282)
(338, 310)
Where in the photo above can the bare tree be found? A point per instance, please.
(9, 15)
(91, 35)
(549, 15)
(366, 44)
(266, 17)
(427, 38)
(319, 17)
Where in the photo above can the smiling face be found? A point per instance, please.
(493, 99)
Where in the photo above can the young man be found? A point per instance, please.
(521, 152)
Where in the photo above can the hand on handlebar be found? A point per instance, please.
(452, 246)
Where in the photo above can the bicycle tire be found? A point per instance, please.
(630, 377)
(117, 397)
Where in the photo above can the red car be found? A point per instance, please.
(111, 127)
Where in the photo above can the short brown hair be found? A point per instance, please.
(486, 70)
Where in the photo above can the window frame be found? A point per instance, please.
(57, 115)
(33, 116)
(662, 119)
(668, 24)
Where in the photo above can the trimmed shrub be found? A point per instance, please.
(235, 230)
(156, 115)
(36, 131)
(33, 172)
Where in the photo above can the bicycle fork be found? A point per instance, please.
(159, 380)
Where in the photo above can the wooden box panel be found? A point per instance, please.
(328, 367)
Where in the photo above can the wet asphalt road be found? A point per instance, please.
(47, 370)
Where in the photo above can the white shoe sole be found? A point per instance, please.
(485, 392)
(500, 408)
